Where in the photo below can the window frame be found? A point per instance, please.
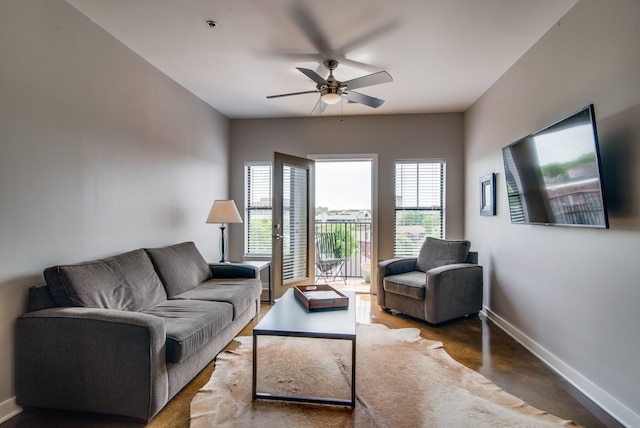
(250, 208)
(418, 207)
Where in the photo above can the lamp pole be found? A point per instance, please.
(222, 243)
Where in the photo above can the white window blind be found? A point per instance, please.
(258, 206)
(419, 204)
(295, 224)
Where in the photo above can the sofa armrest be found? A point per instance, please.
(453, 291)
(95, 360)
(390, 267)
(233, 270)
(40, 298)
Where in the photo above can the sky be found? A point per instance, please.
(566, 145)
(343, 185)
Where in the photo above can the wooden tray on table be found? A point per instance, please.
(320, 296)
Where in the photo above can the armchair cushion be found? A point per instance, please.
(438, 252)
(410, 284)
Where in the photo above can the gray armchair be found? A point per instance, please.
(443, 283)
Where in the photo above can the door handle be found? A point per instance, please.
(278, 236)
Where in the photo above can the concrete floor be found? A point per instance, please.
(475, 342)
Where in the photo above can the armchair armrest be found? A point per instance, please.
(392, 267)
(396, 266)
(87, 359)
(453, 291)
(233, 270)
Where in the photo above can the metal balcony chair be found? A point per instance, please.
(329, 262)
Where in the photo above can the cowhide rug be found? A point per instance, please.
(402, 380)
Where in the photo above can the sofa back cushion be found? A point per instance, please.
(124, 282)
(181, 267)
(439, 252)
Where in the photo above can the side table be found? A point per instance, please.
(262, 265)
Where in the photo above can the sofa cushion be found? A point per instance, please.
(439, 252)
(411, 284)
(123, 282)
(190, 324)
(241, 293)
(181, 267)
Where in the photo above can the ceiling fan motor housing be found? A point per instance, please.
(333, 85)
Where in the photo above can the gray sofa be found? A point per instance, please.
(123, 335)
(443, 283)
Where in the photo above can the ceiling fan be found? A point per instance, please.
(332, 90)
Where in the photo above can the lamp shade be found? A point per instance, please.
(224, 211)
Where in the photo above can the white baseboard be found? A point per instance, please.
(599, 396)
(9, 409)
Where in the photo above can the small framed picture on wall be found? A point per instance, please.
(488, 194)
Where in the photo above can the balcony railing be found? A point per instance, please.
(354, 243)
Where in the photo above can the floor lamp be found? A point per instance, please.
(223, 212)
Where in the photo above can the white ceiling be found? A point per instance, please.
(442, 54)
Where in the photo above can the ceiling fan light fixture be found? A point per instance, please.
(330, 98)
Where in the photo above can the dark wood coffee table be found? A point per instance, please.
(289, 317)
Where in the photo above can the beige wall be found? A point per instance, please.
(390, 137)
(100, 153)
(570, 294)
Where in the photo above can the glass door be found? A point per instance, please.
(293, 252)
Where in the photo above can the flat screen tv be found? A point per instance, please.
(554, 175)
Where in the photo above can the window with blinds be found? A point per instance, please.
(419, 204)
(258, 208)
(294, 223)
